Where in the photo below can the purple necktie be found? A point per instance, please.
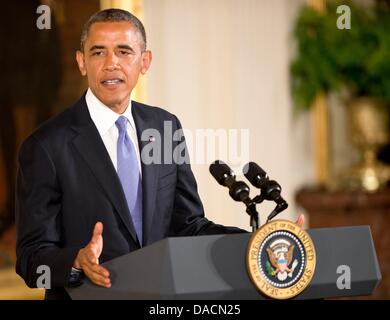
(129, 175)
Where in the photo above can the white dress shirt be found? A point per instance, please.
(104, 119)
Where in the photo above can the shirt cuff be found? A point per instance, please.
(76, 275)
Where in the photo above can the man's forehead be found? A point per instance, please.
(112, 30)
(112, 24)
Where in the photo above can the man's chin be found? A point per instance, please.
(116, 104)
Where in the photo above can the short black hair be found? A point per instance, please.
(112, 15)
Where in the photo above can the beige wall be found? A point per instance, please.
(224, 64)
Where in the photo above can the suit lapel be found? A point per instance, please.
(145, 120)
(91, 148)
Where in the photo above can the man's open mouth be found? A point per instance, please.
(112, 81)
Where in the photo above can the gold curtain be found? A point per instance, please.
(136, 8)
(320, 116)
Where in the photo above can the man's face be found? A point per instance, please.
(112, 60)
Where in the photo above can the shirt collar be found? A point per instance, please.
(102, 116)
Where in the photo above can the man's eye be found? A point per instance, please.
(124, 52)
(97, 53)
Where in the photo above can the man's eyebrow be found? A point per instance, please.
(125, 46)
(97, 47)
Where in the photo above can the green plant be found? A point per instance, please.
(329, 59)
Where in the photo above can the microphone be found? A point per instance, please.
(256, 175)
(272, 192)
(270, 189)
(238, 190)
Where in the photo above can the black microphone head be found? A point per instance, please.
(255, 174)
(272, 191)
(239, 191)
(220, 171)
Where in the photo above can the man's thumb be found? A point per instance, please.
(97, 231)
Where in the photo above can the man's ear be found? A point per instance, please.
(146, 61)
(81, 62)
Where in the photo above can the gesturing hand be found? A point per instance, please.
(301, 220)
(88, 259)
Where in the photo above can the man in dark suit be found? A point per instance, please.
(85, 169)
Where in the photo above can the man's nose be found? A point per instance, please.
(111, 62)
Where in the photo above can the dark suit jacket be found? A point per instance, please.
(66, 183)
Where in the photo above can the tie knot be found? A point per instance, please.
(121, 124)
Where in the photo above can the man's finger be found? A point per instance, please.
(94, 271)
(100, 270)
(301, 220)
(96, 268)
(98, 279)
(97, 231)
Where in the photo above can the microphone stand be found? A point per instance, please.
(252, 211)
(254, 215)
(279, 208)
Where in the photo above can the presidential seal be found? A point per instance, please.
(281, 259)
